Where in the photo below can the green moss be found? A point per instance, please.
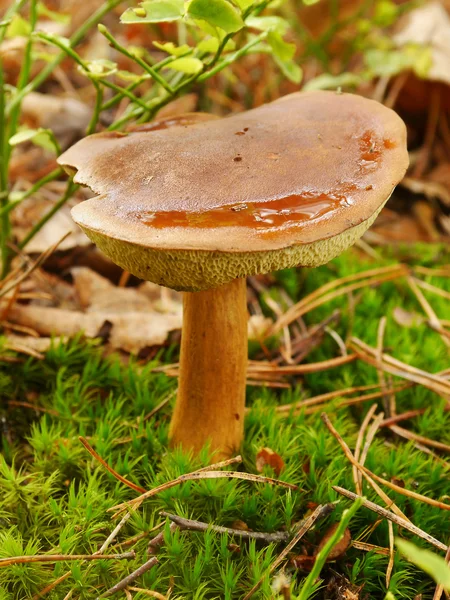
(54, 497)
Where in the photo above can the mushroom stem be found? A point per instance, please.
(213, 367)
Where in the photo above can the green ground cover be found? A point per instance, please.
(54, 496)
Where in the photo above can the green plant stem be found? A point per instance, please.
(310, 582)
(166, 61)
(118, 97)
(150, 70)
(74, 40)
(12, 10)
(71, 187)
(97, 109)
(124, 92)
(4, 222)
(37, 186)
(232, 58)
(9, 129)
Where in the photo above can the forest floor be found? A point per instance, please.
(56, 496)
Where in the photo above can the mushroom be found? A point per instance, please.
(200, 206)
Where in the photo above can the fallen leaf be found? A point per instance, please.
(429, 25)
(131, 331)
(266, 456)
(258, 326)
(406, 318)
(30, 345)
(338, 549)
(240, 525)
(67, 117)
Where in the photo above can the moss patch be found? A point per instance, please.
(54, 497)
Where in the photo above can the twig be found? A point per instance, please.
(392, 517)
(409, 435)
(357, 477)
(97, 456)
(385, 482)
(150, 593)
(42, 258)
(369, 476)
(155, 543)
(19, 560)
(388, 398)
(51, 586)
(269, 538)
(370, 548)
(321, 511)
(390, 566)
(161, 405)
(434, 321)
(130, 578)
(372, 277)
(439, 588)
(409, 414)
(204, 475)
(432, 381)
(369, 438)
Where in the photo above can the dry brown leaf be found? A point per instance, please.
(338, 549)
(98, 294)
(258, 326)
(437, 188)
(130, 331)
(239, 525)
(23, 344)
(266, 456)
(392, 227)
(429, 25)
(30, 211)
(406, 318)
(67, 117)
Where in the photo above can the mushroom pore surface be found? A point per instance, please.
(191, 207)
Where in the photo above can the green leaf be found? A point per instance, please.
(192, 66)
(18, 27)
(387, 63)
(281, 49)
(170, 48)
(310, 2)
(326, 81)
(211, 45)
(429, 562)
(133, 77)
(99, 68)
(218, 13)
(386, 13)
(268, 23)
(244, 4)
(40, 137)
(57, 17)
(159, 11)
(290, 69)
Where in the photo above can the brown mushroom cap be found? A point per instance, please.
(292, 182)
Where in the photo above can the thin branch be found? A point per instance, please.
(322, 511)
(368, 475)
(357, 477)
(97, 456)
(191, 525)
(204, 475)
(392, 517)
(389, 484)
(130, 578)
(52, 558)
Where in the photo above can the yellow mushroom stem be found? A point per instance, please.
(213, 366)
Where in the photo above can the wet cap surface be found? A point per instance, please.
(301, 169)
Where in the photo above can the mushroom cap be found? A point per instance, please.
(193, 206)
